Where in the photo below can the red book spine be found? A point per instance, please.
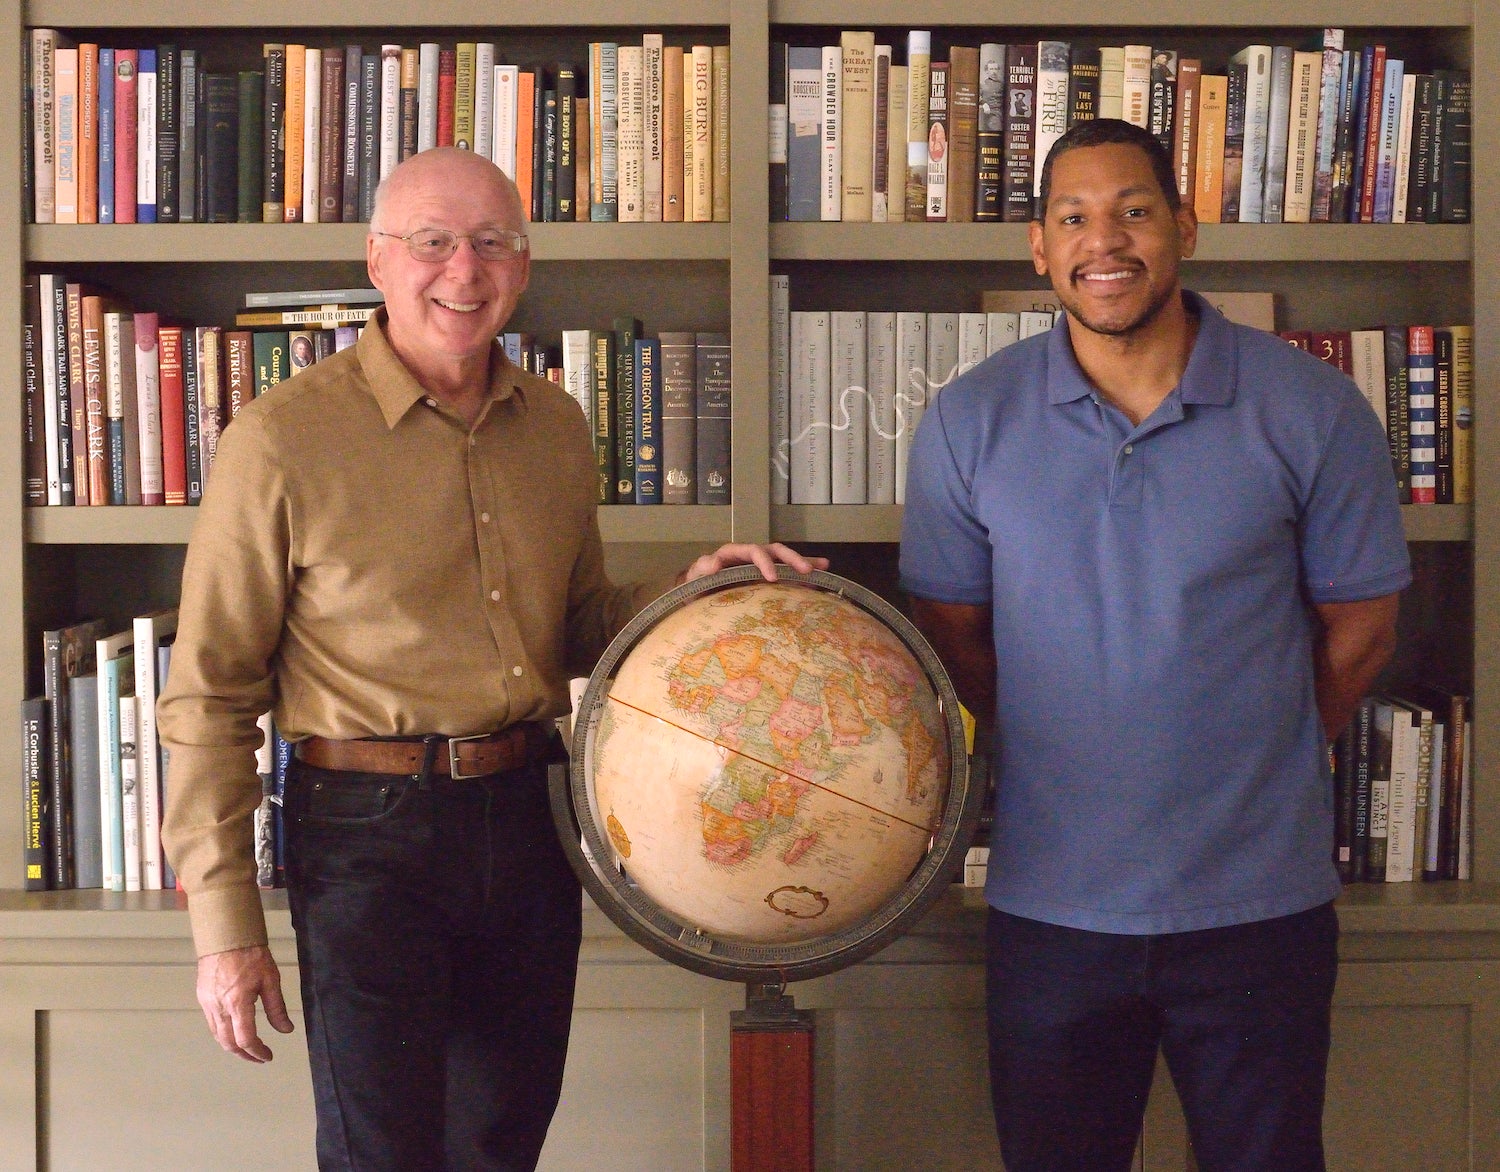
(125, 87)
(173, 421)
(447, 91)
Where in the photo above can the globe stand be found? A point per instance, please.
(770, 1083)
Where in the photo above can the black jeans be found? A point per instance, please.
(1241, 1014)
(438, 926)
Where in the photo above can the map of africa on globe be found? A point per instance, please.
(770, 764)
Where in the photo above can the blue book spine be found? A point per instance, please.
(106, 136)
(1390, 128)
(804, 97)
(1358, 178)
(145, 139)
(278, 802)
(648, 421)
(1422, 394)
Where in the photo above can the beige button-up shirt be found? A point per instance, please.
(363, 564)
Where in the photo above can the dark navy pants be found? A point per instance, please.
(438, 926)
(1240, 1013)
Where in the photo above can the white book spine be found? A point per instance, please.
(1403, 148)
(427, 96)
(1302, 134)
(148, 418)
(1257, 62)
(632, 128)
(145, 139)
(111, 654)
(701, 114)
(1273, 189)
(578, 371)
(1401, 824)
(1135, 92)
(484, 99)
(312, 120)
(811, 468)
(972, 340)
(1035, 321)
(880, 380)
(849, 419)
(44, 134)
(130, 793)
(651, 54)
(781, 389)
(1112, 81)
(833, 164)
(503, 138)
(1000, 330)
(149, 630)
(942, 353)
(911, 388)
(390, 108)
(1367, 357)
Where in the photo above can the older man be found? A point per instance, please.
(399, 554)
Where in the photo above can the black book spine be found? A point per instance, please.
(251, 91)
(1454, 180)
(549, 156)
(1421, 150)
(1364, 722)
(168, 62)
(59, 342)
(778, 132)
(221, 134)
(567, 162)
(538, 146)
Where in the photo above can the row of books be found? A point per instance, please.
(1275, 134)
(848, 388)
(1402, 776)
(659, 411)
(152, 135)
(124, 407)
(93, 771)
(1420, 382)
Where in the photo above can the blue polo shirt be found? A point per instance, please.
(1161, 764)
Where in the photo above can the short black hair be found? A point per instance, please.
(1095, 132)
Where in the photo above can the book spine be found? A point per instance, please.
(674, 142)
(1208, 182)
(1020, 132)
(1235, 113)
(809, 446)
(604, 108)
(963, 126)
(856, 126)
(1329, 80)
(1136, 86)
(632, 134)
(251, 149)
(86, 845)
(1257, 60)
(918, 95)
(1442, 363)
(447, 104)
(781, 389)
(59, 389)
(173, 423)
(1367, 141)
(106, 164)
(192, 408)
(168, 95)
(911, 387)
(990, 134)
(78, 426)
(602, 343)
(189, 139)
(1398, 410)
(293, 136)
(1273, 190)
(33, 419)
(648, 407)
(388, 125)
(44, 133)
(1301, 146)
(148, 407)
(211, 394)
(848, 422)
(1454, 177)
(331, 140)
(353, 92)
(713, 361)
(369, 133)
(804, 149)
(88, 134)
(1344, 148)
(679, 418)
(1401, 196)
(57, 815)
(1422, 395)
(273, 135)
(1386, 142)
(937, 142)
(566, 184)
(1463, 414)
(95, 442)
(34, 804)
(484, 97)
(626, 330)
(880, 191)
(127, 92)
(880, 382)
(1185, 126)
(830, 156)
(65, 123)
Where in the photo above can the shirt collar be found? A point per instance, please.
(396, 390)
(1211, 370)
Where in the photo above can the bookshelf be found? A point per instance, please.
(1418, 1014)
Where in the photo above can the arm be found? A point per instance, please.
(1354, 643)
(964, 640)
(229, 984)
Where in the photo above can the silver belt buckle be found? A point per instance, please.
(453, 770)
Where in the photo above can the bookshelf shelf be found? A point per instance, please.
(1067, 13)
(1394, 243)
(229, 243)
(432, 14)
(156, 525)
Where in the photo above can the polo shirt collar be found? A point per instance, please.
(396, 390)
(1215, 352)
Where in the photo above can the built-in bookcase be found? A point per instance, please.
(1419, 1018)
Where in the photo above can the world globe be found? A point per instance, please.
(767, 778)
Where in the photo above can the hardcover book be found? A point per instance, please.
(679, 418)
(714, 371)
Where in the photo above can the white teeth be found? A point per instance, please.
(459, 306)
(1107, 276)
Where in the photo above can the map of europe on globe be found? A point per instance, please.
(771, 764)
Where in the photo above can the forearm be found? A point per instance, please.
(1355, 643)
(964, 642)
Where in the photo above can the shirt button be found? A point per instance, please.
(1129, 448)
(494, 596)
(515, 671)
(485, 518)
(431, 402)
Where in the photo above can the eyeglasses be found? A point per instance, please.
(435, 245)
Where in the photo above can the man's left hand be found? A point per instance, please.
(763, 557)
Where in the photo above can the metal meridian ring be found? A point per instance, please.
(682, 943)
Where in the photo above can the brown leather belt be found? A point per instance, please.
(459, 758)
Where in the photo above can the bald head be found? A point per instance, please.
(434, 171)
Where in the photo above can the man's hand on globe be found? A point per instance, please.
(763, 557)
